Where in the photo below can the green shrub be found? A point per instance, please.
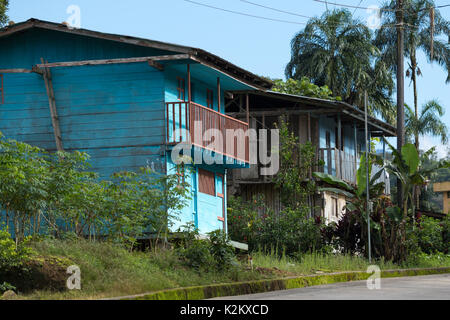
(12, 256)
(430, 235)
(211, 254)
(220, 249)
(5, 286)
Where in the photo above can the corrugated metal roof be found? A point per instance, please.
(201, 56)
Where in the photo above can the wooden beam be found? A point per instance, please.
(52, 104)
(370, 123)
(219, 96)
(16, 71)
(189, 83)
(156, 65)
(247, 107)
(113, 61)
(282, 112)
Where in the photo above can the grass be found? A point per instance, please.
(109, 270)
(318, 263)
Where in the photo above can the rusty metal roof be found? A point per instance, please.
(201, 56)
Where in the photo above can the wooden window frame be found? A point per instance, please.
(206, 173)
(335, 204)
(2, 90)
(327, 139)
(210, 99)
(181, 89)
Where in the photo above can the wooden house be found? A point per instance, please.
(336, 129)
(121, 99)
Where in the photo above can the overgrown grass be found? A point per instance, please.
(109, 270)
(317, 262)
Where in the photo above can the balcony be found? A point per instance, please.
(344, 166)
(202, 127)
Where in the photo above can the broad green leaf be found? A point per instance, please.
(361, 177)
(333, 180)
(411, 157)
(394, 213)
(338, 191)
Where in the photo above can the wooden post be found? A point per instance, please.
(188, 107)
(247, 105)
(339, 145)
(189, 82)
(309, 127)
(52, 105)
(219, 96)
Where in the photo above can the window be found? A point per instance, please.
(328, 139)
(181, 89)
(206, 182)
(334, 207)
(448, 194)
(2, 96)
(210, 99)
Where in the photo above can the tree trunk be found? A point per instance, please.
(416, 107)
(416, 189)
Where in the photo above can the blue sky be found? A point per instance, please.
(258, 45)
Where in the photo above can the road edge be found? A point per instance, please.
(261, 286)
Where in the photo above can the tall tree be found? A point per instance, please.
(337, 51)
(3, 8)
(424, 27)
(428, 122)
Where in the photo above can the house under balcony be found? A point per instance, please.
(336, 130)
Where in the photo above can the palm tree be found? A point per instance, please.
(420, 29)
(3, 8)
(428, 122)
(337, 51)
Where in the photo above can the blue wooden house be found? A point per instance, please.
(123, 100)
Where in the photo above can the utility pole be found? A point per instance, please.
(368, 145)
(400, 91)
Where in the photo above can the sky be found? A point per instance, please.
(261, 46)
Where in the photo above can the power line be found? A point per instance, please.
(354, 11)
(275, 9)
(382, 9)
(262, 17)
(244, 14)
(352, 6)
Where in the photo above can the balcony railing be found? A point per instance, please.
(344, 166)
(189, 122)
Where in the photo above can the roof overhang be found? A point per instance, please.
(347, 112)
(199, 55)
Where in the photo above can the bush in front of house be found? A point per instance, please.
(213, 253)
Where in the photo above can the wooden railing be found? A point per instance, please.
(344, 166)
(192, 123)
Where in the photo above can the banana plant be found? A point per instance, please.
(406, 166)
(357, 194)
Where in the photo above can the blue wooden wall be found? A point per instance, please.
(115, 113)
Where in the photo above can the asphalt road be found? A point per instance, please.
(433, 287)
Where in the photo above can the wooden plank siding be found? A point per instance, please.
(99, 107)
